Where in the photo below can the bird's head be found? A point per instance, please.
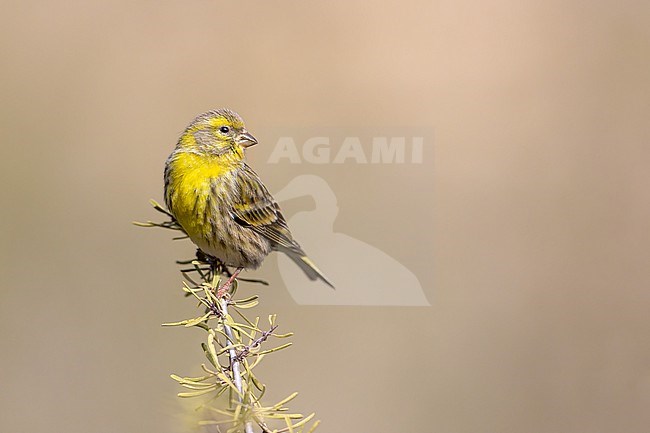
(217, 132)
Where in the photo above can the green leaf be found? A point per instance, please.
(189, 322)
(284, 415)
(287, 335)
(258, 359)
(246, 305)
(208, 354)
(314, 426)
(304, 420)
(197, 320)
(211, 422)
(245, 300)
(224, 378)
(259, 385)
(227, 348)
(286, 400)
(192, 380)
(211, 348)
(275, 349)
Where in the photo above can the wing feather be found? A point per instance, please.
(255, 208)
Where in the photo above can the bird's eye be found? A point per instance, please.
(224, 129)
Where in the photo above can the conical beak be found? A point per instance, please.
(246, 140)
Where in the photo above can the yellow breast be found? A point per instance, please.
(190, 191)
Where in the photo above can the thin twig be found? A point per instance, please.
(232, 353)
(259, 340)
(234, 363)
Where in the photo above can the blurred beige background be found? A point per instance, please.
(527, 224)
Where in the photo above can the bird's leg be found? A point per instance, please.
(223, 289)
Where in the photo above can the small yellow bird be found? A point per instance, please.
(221, 203)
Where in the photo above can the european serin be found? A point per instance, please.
(220, 202)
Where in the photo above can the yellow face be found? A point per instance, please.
(217, 132)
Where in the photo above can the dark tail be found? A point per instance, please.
(308, 267)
